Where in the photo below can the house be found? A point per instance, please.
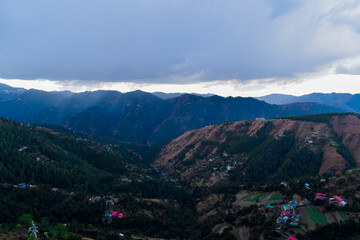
(298, 218)
(305, 203)
(307, 186)
(270, 207)
(282, 220)
(125, 179)
(286, 208)
(22, 149)
(321, 196)
(284, 183)
(109, 202)
(287, 212)
(294, 224)
(340, 201)
(228, 167)
(95, 199)
(292, 238)
(293, 204)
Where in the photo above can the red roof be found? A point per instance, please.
(287, 212)
(338, 198)
(292, 238)
(321, 194)
(114, 214)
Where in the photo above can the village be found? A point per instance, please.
(290, 216)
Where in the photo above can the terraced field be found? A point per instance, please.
(256, 196)
(274, 197)
(343, 215)
(316, 215)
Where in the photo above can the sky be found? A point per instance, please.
(224, 47)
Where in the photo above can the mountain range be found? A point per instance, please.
(213, 182)
(138, 116)
(346, 101)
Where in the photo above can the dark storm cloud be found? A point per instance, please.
(170, 41)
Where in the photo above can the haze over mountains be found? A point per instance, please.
(346, 101)
(138, 116)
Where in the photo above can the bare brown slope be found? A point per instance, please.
(188, 156)
(197, 152)
(302, 129)
(348, 127)
(332, 160)
(316, 132)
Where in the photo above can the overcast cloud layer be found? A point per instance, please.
(177, 41)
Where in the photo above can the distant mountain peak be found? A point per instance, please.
(174, 95)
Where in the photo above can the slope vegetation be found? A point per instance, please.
(257, 150)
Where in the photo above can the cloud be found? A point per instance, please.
(353, 70)
(180, 41)
(348, 66)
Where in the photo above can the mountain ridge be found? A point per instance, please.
(139, 116)
(347, 101)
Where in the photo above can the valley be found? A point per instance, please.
(179, 120)
(232, 180)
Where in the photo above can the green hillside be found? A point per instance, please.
(54, 178)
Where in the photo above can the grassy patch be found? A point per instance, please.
(317, 216)
(257, 196)
(344, 216)
(273, 198)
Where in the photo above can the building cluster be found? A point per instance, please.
(23, 185)
(334, 200)
(110, 216)
(310, 139)
(288, 216)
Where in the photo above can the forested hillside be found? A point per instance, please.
(52, 178)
